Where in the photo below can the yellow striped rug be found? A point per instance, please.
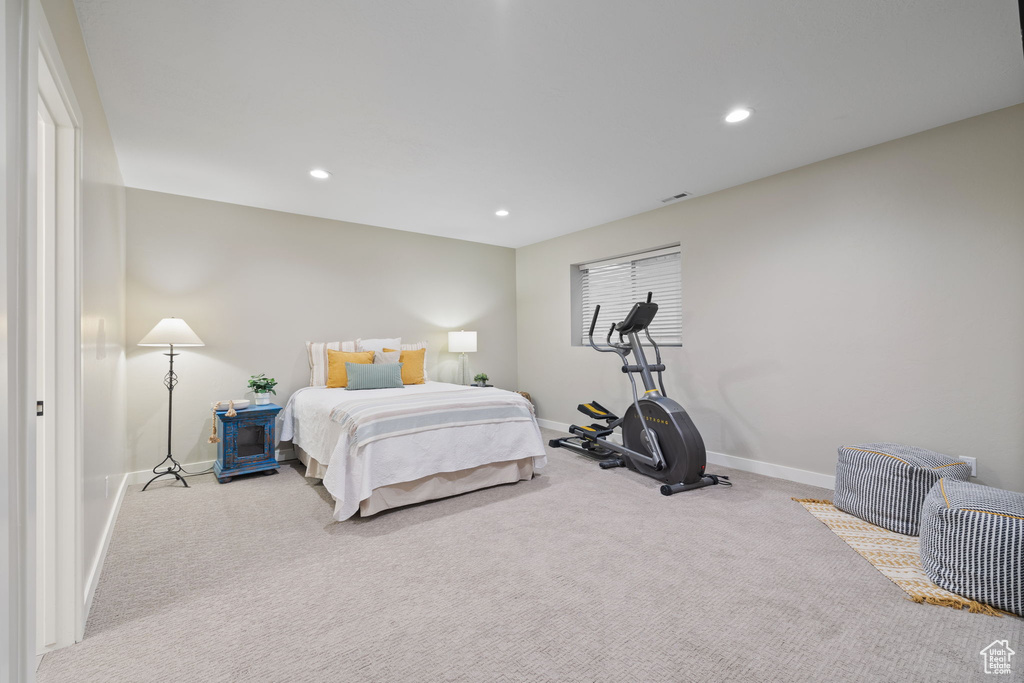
(896, 556)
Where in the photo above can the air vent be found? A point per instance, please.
(674, 197)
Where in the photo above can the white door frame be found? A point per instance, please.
(17, 420)
(27, 47)
(65, 410)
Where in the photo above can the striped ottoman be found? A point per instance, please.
(972, 542)
(886, 483)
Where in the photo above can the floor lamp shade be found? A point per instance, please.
(171, 332)
(462, 342)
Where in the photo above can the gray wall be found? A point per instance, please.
(255, 285)
(103, 287)
(874, 296)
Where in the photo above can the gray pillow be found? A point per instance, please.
(374, 376)
(382, 357)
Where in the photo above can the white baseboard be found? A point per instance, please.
(768, 469)
(142, 476)
(93, 579)
(551, 424)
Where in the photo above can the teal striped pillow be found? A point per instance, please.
(374, 376)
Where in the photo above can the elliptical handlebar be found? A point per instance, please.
(613, 347)
(657, 359)
(624, 348)
(593, 323)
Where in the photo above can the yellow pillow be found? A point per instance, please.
(412, 365)
(336, 375)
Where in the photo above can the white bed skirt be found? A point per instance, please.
(432, 487)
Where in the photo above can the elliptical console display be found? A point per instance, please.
(658, 437)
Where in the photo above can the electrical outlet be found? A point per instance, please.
(973, 462)
(106, 486)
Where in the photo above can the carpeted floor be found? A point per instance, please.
(578, 575)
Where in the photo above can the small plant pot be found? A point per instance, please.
(262, 399)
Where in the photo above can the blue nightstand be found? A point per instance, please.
(247, 444)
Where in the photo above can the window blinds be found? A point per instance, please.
(616, 284)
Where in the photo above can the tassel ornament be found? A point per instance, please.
(213, 436)
(231, 413)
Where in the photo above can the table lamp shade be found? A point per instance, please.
(462, 342)
(171, 332)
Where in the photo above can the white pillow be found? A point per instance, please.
(378, 345)
(317, 353)
(386, 357)
(416, 347)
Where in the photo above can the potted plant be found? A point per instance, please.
(481, 379)
(262, 386)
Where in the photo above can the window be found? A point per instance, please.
(617, 283)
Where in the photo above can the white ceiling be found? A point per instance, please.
(569, 113)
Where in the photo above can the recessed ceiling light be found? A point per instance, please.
(737, 115)
(501, 212)
(320, 174)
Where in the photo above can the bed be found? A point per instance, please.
(383, 448)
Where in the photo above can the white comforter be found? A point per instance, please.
(351, 477)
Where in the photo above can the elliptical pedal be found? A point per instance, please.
(597, 411)
(591, 432)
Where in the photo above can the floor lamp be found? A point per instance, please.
(170, 332)
(462, 342)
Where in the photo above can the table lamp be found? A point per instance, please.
(462, 342)
(170, 332)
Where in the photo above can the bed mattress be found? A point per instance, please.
(321, 422)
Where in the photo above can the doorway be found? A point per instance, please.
(59, 594)
(46, 540)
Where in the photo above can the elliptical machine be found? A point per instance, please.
(658, 437)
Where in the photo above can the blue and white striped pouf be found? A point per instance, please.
(886, 483)
(972, 542)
